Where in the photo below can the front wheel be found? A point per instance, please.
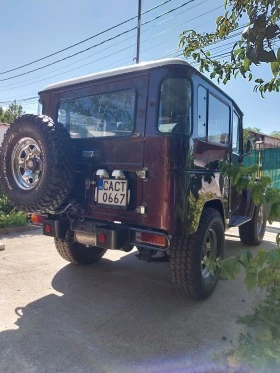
(187, 270)
(252, 233)
(77, 253)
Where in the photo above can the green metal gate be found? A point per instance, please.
(269, 161)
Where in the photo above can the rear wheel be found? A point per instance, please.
(187, 270)
(77, 253)
(252, 233)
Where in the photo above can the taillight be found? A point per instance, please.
(36, 219)
(151, 238)
(47, 228)
(101, 237)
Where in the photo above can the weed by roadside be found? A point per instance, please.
(9, 216)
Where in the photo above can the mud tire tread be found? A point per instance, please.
(56, 185)
(77, 253)
(248, 232)
(185, 258)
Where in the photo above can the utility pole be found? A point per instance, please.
(138, 31)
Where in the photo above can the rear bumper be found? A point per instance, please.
(112, 236)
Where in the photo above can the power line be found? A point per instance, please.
(85, 40)
(180, 54)
(19, 100)
(15, 85)
(98, 44)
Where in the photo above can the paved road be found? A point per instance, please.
(120, 315)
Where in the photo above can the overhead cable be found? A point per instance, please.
(95, 45)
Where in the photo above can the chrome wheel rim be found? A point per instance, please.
(209, 250)
(260, 221)
(26, 163)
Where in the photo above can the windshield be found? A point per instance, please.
(107, 114)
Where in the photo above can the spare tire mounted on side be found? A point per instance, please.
(36, 164)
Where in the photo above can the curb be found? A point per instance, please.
(24, 228)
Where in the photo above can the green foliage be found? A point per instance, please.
(246, 178)
(9, 115)
(247, 134)
(14, 218)
(8, 215)
(260, 345)
(275, 134)
(257, 44)
(5, 206)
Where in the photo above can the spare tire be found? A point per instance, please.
(36, 164)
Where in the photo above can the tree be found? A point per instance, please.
(275, 134)
(9, 115)
(256, 45)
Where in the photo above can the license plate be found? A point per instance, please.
(112, 192)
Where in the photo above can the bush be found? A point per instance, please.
(5, 205)
(14, 218)
(9, 216)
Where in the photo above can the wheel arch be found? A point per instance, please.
(215, 203)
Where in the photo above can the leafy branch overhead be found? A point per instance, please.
(257, 43)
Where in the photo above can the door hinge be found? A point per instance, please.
(88, 183)
(142, 174)
(141, 209)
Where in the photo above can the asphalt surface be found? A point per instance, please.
(119, 315)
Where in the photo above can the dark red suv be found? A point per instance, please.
(130, 159)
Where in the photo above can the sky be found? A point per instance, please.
(33, 29)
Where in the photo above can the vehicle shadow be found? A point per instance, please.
(122, 316)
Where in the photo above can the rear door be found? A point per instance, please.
(107, 122)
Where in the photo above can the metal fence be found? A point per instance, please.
(269, 162)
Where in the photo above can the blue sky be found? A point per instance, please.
(32, 29)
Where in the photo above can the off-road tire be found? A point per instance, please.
(54, 186)
(77, 253)
(252, 233)
(186, 255)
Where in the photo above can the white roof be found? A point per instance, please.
(118, 71)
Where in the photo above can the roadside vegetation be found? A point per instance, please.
(9, 216)
(259, 27)
(259, 346)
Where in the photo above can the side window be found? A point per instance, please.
(218, 121)
(213, 119)
(175, 106)
(235, 134)
(202, 112)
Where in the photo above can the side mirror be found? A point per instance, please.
(249, 146)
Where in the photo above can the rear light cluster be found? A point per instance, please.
(39, 220)
(151, 239)
(101, 237)
(36, 219)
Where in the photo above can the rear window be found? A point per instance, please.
(175, 106)
(107, 114)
